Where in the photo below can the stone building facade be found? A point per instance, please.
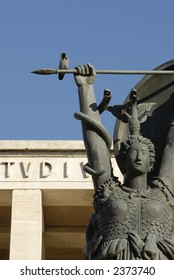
(45, 199)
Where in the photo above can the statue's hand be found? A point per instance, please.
(85, 75)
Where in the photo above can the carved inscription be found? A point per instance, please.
(44, 169)
(39, 169)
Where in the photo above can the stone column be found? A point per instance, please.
(26, 225)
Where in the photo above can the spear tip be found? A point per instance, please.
(44, 71)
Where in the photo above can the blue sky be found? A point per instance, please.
(112, 34)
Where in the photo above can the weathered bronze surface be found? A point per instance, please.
(133, 220)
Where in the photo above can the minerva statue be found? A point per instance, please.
(133, 220)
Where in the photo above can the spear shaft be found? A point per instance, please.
(49, 71)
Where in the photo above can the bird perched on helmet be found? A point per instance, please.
(63, 64)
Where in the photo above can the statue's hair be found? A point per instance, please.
(121, 157)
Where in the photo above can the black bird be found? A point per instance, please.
(63, 64)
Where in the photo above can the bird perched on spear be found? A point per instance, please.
(63, 64)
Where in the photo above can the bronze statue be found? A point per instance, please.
(132, 221)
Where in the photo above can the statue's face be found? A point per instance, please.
(137, 159)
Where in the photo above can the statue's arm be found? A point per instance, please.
(167, 165)
(94, 135)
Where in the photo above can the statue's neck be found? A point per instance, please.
(136, 182)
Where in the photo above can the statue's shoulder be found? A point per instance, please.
(105, 190)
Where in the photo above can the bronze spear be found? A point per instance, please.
(49, 71)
